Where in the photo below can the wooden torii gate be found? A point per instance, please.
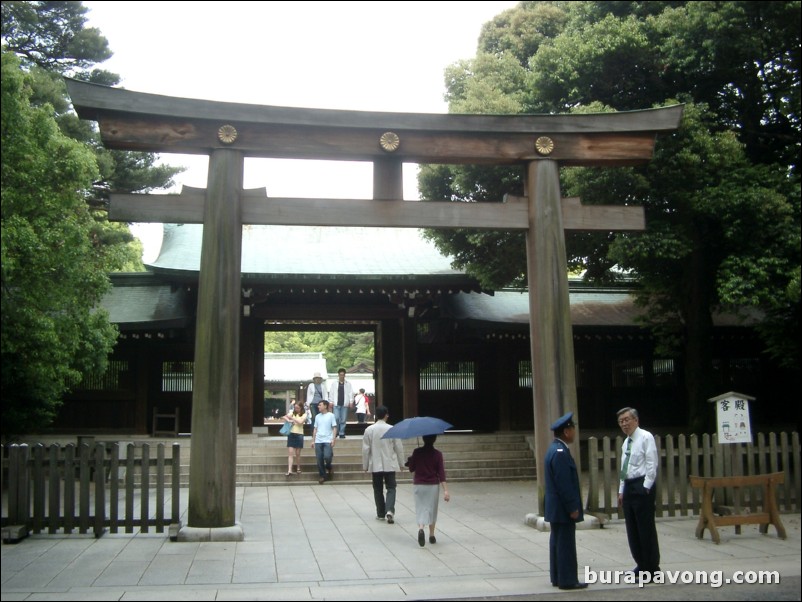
(230, 132)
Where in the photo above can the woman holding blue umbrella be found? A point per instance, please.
(427, 464)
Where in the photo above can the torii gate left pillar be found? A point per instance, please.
(550, 332)
(212, 489)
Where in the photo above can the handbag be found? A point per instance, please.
(286, 428)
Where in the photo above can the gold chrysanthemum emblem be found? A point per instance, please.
(389, 141)
(544, 145)
(227, 134)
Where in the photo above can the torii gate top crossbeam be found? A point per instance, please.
(153, 123)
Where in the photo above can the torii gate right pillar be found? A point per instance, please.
(551, 338)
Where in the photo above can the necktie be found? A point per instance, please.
(623, 474)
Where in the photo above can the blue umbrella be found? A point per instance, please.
(417, 427)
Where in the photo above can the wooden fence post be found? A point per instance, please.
(593, 468)
(54, 490)
(175, 523)
(795, 455)
(39, 487)
(129, 488)
(69, 487)
(144, 494)
(668, 471)
(18, 485)
(99, 523)
(85, 474)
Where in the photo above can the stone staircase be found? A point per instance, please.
(262, 460)
(262, 456)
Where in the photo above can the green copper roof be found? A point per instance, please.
(143, 301)
(307, 252)
(589, 307)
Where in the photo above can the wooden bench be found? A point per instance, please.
(768, 516)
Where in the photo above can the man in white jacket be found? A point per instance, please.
(383, 458)
(341, 398)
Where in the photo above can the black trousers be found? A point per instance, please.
(380, 480)
(639, 508)
(562, 554)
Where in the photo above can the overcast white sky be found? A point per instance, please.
(372, 56)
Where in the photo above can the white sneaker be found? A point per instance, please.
(389, 517)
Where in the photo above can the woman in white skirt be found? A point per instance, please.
(430, 473)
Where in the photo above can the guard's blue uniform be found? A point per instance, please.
(562, 498)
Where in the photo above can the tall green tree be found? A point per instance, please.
(719, 229)
(722, 194)
(51, 40)
(58, 244)
(52, 277)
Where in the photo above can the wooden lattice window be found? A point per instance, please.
(448, 376)
(627, 373)
(664, 373)
(525, 374)
(177, 377)
(113, 379)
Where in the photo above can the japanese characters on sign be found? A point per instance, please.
(732, 416)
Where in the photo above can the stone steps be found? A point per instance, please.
(360, 478)
(263, 460)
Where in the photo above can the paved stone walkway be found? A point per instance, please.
(322, 542)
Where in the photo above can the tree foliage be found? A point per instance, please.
(52, 41)
(722, 193)
(52, 277)
(58, 245)
(341, 349)
(52, 35)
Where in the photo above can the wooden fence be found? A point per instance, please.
(66, 488)
(686, 456)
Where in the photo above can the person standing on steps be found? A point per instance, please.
(295, 440)
(341, 396)
(361, 409)
(315, 393)
(324, 437)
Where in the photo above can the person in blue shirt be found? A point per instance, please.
(324, 437)
(563, 505)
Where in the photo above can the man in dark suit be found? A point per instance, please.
(563, 505)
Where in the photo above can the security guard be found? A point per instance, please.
(563, 505)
